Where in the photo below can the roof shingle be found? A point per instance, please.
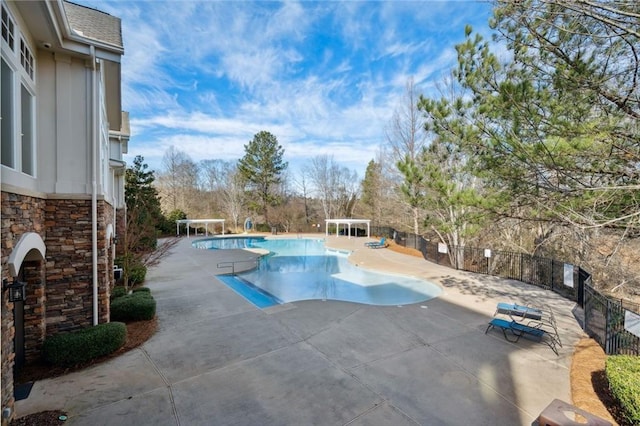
(94, 24)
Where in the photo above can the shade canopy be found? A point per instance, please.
(347, 223)
(206, 223)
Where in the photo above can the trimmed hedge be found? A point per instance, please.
(623, 373)
(118, 291)
(141, 289)
(137, 273)
(137, 306)
(77, 347)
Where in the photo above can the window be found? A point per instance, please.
(7, 115)
(7, 28)
(27, 131)
(18, 104)
(26, 59)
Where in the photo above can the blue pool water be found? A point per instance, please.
(303, 269)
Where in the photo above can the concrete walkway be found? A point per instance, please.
(216, 359)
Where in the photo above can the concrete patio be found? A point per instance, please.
(216, 359)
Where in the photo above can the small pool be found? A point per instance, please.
(304, 269)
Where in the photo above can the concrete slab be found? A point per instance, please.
(433, 390)
(384, 414)
(208, 344)
(294, 385)
(217, 359)
(121, 378)
(150, 408)
(200, 303)
(308, 318)
(362, 337)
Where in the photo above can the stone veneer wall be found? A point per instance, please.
(69, 270)
(34, 309)
(20, 214)
(60, 288)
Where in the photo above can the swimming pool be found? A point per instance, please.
(304, 269)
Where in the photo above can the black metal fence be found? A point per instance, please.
(604, 317)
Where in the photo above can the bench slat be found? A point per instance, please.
(504, 324)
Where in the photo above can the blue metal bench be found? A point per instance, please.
(514, 309)
(517, 330)
(377, 244)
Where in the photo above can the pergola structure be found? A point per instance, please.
(206, 223)
(347, 223)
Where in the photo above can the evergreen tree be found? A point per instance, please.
(412, 188)
(559, 119)
(143, 207)
(144, 218)
(372, 191)
(262, 168)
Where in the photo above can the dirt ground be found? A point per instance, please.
(589, 388)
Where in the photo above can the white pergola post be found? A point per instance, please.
(206, 222)
(346, 224)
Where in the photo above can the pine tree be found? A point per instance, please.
(559, 118)
(262, 167)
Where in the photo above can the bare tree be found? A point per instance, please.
(215, 176)
(233, 195)
(302, 183)
(320, 177)
(405, 134)
(178, 182)
(406, 140)
(336, 187)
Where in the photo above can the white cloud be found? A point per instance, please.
(323, 77)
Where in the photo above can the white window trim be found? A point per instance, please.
(21, 77)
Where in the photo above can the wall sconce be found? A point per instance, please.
(17, 290)
(115, 239)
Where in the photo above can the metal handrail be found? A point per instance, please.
(232, 264)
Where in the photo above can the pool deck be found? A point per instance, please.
(216, 359)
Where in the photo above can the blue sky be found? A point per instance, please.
(323, 77)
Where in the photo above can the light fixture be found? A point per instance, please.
(16, 289)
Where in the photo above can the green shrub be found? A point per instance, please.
(137, 273)
(168, 224)
(136, 306)
(262, 227)
(77, 347)
(141, 290)
(118, 291)
(623, 373)
(134, 269)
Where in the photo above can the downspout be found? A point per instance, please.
(94, 177)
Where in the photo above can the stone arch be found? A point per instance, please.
(26, 263)
(30, 247)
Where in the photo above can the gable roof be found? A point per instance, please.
(94, 24)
